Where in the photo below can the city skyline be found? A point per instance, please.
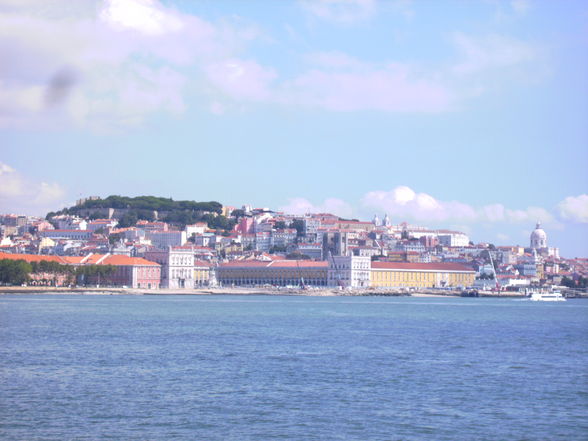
(449, 115)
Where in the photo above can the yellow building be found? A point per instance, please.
(420, 275)
(201, 273)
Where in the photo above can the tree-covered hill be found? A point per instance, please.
(129, 210)
(147, 203)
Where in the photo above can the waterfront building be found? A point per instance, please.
(274, 272)
(420, 275)
(349, 271)
(202, 273)
(177, 266)
(131, 272)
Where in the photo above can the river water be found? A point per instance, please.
(291, 368)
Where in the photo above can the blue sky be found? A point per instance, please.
(469, 115)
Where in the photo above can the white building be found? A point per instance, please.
(453, 239)
(263, 240)
(177, 266)
(67, 234)
(197, 228)
(539, 242)
(283, 237)
(349, 271)
(101, 224)
(538, 238)
(67, 222)
(164, 239)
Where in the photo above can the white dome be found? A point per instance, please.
(538, 237)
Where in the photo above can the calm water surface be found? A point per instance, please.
(291, 368)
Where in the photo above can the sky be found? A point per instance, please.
(467, 115)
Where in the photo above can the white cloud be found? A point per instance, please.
(574, 208)
(99, 65)
(388, 88)
(504, 238)
(242, 79)
(493, 52)
(520, 6)
(111, 55)
(18, 192)
(145, 16)
(340, 11)
(301, 206)
(404, 202)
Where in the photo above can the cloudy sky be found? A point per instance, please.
(460, 114)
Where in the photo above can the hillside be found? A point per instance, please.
(128, 210)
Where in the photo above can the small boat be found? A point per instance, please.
(470, 293)
(540, 295)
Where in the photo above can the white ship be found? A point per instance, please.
(541, 295)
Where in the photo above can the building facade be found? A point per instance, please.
(276, 272)
(177, 266)
(420, 275)
(349, 271)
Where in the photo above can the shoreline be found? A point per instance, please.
(322, 292)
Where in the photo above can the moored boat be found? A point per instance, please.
(541, 295)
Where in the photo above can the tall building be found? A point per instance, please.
(335, 243)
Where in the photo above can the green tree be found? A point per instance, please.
(297, 255)
(14, 272)
(277, 249)
(298, 225)
(280, 225)
(129, 219)
(238, 213)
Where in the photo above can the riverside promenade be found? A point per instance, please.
(319, 292)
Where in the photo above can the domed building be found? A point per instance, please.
(538, 238)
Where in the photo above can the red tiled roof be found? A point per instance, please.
(244, 263)
(276, 264)
(119, 259)
(69, 231)
(32, 257)
(299, 264)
